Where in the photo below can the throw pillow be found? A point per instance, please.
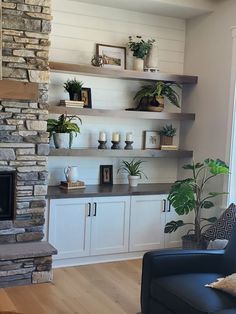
(218, 244)
(227, 284)
(222, 229)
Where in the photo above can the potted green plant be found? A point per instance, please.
(63, 130)
(133, 169)
(151, 97)
(190, 195)
(140, 49)
(166, 135)
(74, 87)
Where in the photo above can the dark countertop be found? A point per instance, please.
(55, 192)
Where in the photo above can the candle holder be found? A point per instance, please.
(115, 145)
(128, 145)
(102, 144)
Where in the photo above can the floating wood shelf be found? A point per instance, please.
(147, 153)
(16, 90)
(122, 113)
(122, 74)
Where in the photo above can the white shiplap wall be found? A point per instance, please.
(77, 27)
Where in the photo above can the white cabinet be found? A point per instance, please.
(69, 227)
(110, 225)
(83, 226)
(147, 222)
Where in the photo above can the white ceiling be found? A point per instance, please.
(176, 8)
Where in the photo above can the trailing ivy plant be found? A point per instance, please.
(139, 47)
(190, 195)
(168, 130)
(64, 124)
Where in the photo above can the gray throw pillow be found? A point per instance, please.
(223, 227)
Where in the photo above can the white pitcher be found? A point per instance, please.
(71, 173)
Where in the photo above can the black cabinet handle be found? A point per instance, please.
(169, 208)
(89, 209)
(95, 210)
(164, 206)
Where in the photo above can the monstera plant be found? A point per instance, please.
(190, 195)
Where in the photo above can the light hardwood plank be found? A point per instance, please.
(15, 90)
(93, 289)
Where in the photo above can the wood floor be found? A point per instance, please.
(110, 288)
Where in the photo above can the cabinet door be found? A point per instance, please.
(69, 227)
(174, 239)
(110, 223)
(147, 220)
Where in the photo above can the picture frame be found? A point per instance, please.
(106, 175)
(151, 140)
(86, 97)
(114, 57)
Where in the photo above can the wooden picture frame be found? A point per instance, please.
(86, 97)
(151, 140)
(106, 175)
(114, 57)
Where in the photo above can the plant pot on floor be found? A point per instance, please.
(61, 140)
(166, 140)
(138, 64)
(189, 243)
(133, 180)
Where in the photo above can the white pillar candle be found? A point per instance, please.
(102, 136)
(129, 137)
(115, 137)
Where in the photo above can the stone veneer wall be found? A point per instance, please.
(26, 25)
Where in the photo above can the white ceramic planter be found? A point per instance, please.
(61, 140)
(138, 64)
(133, 180)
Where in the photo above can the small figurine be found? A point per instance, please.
(97, 61)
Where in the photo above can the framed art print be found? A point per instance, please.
(114, 57)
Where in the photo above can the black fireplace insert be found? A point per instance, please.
(7, 195)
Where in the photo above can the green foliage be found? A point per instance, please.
(64, 124)
(73, 86)
(168, 130)
(132, 167)
(190, 195)
(139, 47)
(160, 89)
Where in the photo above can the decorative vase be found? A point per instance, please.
(138, 64)
(133, 180)
(71, 173)
(75, 96)
(152, 61)
(61, 140)
(166, 140)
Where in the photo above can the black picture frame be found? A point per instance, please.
(86, 97)
(106, 175)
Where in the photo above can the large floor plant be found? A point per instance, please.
(191, 195)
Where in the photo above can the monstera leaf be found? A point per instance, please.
(182, 196)
(172, 226)
(216, 166)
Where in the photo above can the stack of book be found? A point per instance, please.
(72, 103)
(169, 147)
(72, 185)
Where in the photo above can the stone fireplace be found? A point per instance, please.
(7, 195)
(24, 147)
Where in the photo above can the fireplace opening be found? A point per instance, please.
(7, 195)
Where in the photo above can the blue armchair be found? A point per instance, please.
(173, 281)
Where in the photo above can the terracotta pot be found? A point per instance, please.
(166, 140)
(138, 64)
